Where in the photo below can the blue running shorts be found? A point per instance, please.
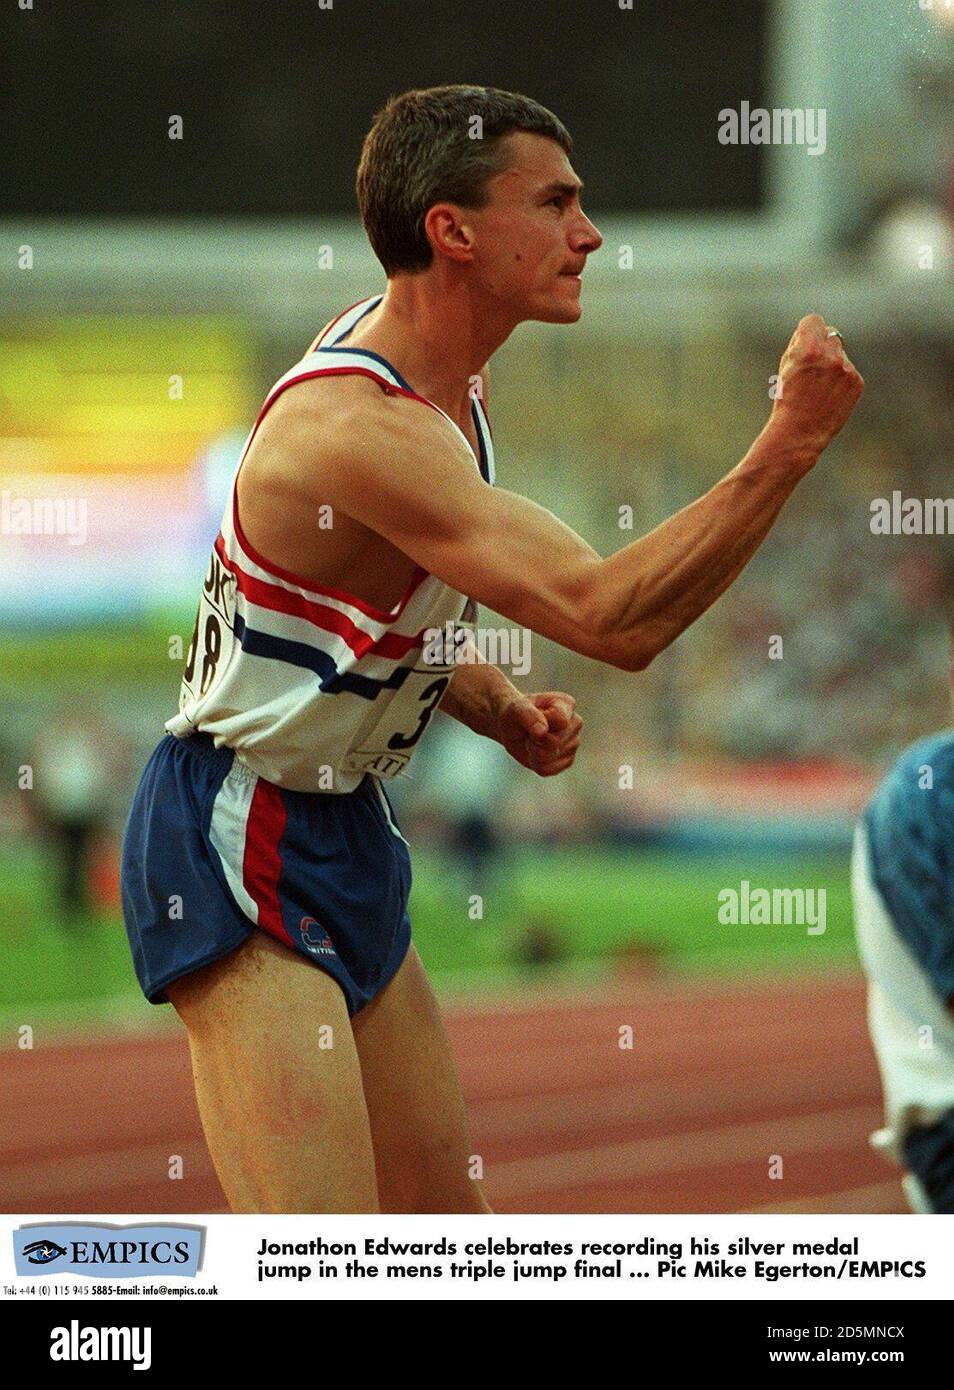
(212, 851)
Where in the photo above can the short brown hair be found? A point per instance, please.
(419, 151)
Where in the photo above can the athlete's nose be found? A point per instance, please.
(586, 237)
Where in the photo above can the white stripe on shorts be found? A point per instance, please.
(387, 810)
(227, 831)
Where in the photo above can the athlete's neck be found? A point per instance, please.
(436, 335)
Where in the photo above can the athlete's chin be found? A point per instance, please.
(561, 307)
(563, 314)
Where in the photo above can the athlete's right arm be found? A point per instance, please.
(417, 485)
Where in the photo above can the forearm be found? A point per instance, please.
(477, 693)
(652, 590)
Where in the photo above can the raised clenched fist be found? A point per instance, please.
(819, 387)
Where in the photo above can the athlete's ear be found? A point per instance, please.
(450, 232)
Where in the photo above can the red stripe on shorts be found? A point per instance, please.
(262, 865)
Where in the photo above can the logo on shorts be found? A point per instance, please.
(318, 942)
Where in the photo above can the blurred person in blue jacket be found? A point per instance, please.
(903, 889)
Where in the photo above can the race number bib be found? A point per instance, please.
(212, 637)
(386, 748)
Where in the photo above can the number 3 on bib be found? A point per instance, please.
(431, 694)
(384, 744)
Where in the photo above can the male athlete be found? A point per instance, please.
(265, 879)
(903, 889)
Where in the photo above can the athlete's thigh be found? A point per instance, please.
(419, 1126)
(278, 1082)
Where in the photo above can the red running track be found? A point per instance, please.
(720, 1078)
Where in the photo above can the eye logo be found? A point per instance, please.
(43, 1252)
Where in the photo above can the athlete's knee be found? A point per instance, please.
(433, 1177)
(271, 1193)
(413, 1199)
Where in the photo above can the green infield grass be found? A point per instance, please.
(578, 910)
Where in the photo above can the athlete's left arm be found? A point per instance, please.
(541, 731)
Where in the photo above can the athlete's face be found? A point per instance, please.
(533, 238)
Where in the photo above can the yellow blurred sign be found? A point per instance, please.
(120, 393)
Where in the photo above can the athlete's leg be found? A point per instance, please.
(419, 1125)
(283, 1111)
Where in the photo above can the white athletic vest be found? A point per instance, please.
(300, 679)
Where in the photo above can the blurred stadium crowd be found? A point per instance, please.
(861, 667)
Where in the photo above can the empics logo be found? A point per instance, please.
(107, 1252)
(75, 1343)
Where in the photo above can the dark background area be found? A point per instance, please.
(276, 98)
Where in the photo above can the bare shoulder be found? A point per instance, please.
(313, 429)
(319, 417)
(331, 433)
